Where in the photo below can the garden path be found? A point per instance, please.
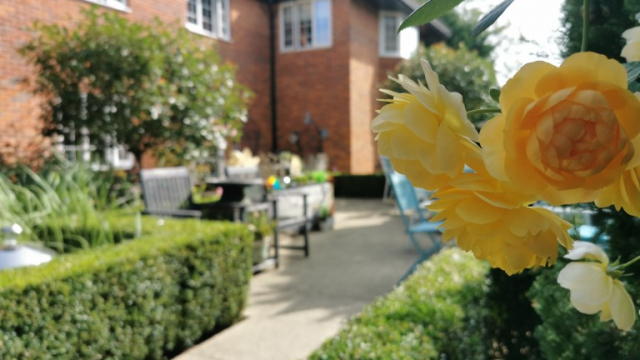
(293, 310)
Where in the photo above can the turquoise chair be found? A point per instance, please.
(407, 201)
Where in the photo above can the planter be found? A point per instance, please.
(261, 249)
(326, 224)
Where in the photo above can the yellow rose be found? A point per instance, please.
(426, 133)
(564, 133)
(494, 222)
(631, 51)
(593, 290)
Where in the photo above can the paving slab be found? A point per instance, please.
(291, 311)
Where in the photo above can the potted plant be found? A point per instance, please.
(325, 219)
(262, 228)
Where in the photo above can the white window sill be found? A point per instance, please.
(111, 5)
(391, 55)
(296, 50)
(200, 31)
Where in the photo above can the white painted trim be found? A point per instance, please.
(295, 18)
(219, 22)
(113, 4)
(381, 34)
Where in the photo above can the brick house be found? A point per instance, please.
(312, 64)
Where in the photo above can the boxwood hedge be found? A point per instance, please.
(143, 299)
(436, 314)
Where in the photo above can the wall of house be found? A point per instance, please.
(19, 109)
(317, 81)
(366, 71)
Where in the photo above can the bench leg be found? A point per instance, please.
(276, 255)
(306, 240)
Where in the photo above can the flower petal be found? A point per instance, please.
(623, 311)
(588, 282)
(586, 250)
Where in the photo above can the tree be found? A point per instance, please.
(133, 84)
(608, 20)
(461, 70)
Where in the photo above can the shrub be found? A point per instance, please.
(566, 334)
(58, 200)
(143, 299)
(143, 86)
(359, 186)
(436, 314)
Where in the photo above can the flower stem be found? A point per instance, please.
(484, 111)
(585, 24)
(630, 263)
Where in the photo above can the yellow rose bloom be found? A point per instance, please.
(425, 133)
(564, 132)
(494, 222)
(591, 288)
(631, 51)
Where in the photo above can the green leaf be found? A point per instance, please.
(491, 17)
(429, 11)
(495, 94)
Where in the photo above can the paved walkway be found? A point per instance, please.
(294, 309)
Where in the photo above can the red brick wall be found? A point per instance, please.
(367, 71)
(317, 81)
(19, 110)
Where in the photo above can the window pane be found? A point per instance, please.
(322, 15)
(192, 15)
(207, 15)
(304, 15)
(287, 18)
(390, 37)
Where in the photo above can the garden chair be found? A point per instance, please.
(167, 192)
(407, 201)
(422, 194)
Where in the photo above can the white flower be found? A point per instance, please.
(631, 51)
(593, 290)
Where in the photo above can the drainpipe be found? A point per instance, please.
(272, 66)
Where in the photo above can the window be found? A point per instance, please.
(305, 24)
(209, 17)
(121, 5)
(393, 44)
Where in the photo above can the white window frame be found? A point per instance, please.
(382, 36)
(296, 26)
(222, 22)
(114, 4)
(407, 40)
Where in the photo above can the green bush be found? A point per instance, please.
(566, 334)
(436, 314)
(359, 186)
(143, 299)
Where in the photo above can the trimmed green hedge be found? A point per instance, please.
(436, 314)
(359, 186)
(143, 299)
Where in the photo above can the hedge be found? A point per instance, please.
(436, 314)
(359, 186)
(144, 299)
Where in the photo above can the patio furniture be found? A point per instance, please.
(167, 192)
(413, 220)
(241, 197)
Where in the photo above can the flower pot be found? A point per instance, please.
(326, 224)
(261, 249)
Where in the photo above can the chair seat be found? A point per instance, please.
(424, 227)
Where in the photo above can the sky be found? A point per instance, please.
(538, 21)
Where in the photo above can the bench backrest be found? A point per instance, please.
(165, 188)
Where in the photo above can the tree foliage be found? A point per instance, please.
(608, 20)
(461, 70)
(140, 85)
(461, 26)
